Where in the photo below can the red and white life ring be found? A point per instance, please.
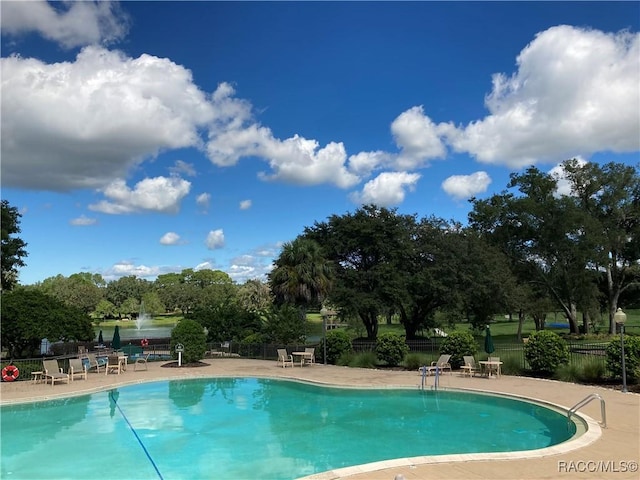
(144, 342)
(10, 373)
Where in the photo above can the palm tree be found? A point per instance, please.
(301, 276)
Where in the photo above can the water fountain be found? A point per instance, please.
(143, 316)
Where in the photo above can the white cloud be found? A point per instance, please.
(159, 194)
(215, 239)
(203, 200)
(364, 163)
(387, 189)
(207, 265)
(117, 111)
(297, 160)
(170, 238)
(71, 24)
(245, 204)
(466, 186)
(575, 92)
(183, 168)
(83, 221)
(418, 138)
(126, 268)
(563, 185)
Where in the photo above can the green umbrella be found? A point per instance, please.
(100, 339)
(115, 344)
(488, 342)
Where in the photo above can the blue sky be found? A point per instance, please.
(144, 138)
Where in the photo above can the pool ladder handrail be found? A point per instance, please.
(584, 401)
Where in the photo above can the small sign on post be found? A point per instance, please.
(179, 348)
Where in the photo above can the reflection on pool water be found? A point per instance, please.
(247, 428)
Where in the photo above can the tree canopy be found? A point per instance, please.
(13, 247)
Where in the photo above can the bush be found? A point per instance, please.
(191, 335)
(338, 342)
(361, 360)
(413, 361)
(631, 357)
(546, 351)
(391, 348)
(512, 363)
(458, 344)
(592, 372)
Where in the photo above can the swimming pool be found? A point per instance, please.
(248, 428)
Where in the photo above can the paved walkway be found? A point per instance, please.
(608, 453)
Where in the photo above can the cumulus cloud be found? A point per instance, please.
(83, 221)
(117, 111)
(466, 186)
(364, 163)
(387, 189)
(159, 194)
(234, 134)
(70, 24)
(170, 238)
(203, 200)
(247, 267)
(245, 204)
(215, 239)
(127, 268)
(418, 138)
(575, 92)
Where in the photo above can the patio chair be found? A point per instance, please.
(284, 358)
(469, 368)
(441, 364)
(113, 363)
(76, 367)
(142, 361)
(494, 368)
(312, 357)
(52, 371)
(95, 362)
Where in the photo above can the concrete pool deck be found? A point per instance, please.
(612, 454)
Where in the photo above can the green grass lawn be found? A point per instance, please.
(502, 330)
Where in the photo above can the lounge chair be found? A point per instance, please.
(95, 362)
(113, 363)
(284, 357)
(441, 364)
(52, 371)
(311, 355)
(76, 367)
(142, 361)
(469, 368)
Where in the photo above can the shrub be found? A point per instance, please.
(413, 361)
(631, 357)
(391, 348)
(592, 372)
(191, 335)
(363, 360)
(568, 373)
(338, 342)
(512, 363)
(546, 351)
(458, 344)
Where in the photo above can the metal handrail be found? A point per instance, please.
(584, 401)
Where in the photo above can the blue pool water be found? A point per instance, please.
(248, 428)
